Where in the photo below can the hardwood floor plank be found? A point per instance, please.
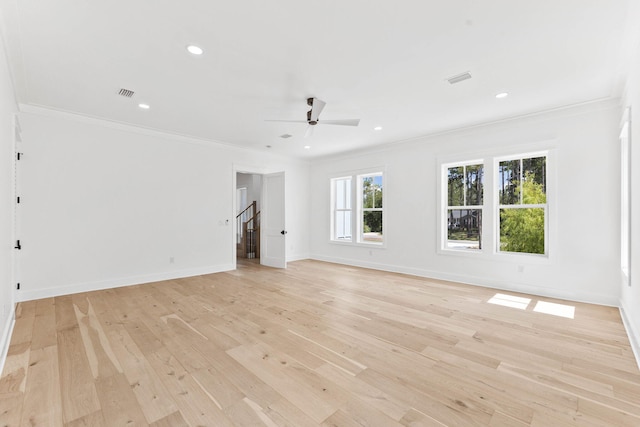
(313, 394)
(64, 313)
(316, 344)
(14, 379)
(102, 360)
(174, 419)
(42, 405)
(77, 384)
(366, 393)
(286, 414)
(247, 413)
(154, 399)
(414, 418)
(94, 419)
(118, 403)
(44, 325)
(23, 328)
(196, 405)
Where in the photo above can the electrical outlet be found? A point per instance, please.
(171, 260)
(521, 269)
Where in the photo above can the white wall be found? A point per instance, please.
(584, 220)
(630, 298)
(109, 205)
(8, 108)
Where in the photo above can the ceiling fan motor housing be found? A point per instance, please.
(311, 122)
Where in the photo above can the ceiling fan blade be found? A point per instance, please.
(346, 122)
(316, 108)
(309, 131)
(287, 121)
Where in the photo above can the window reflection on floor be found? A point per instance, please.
(521, 303)
(561, 310)
(510, 301)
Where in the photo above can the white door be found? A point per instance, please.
(273, 234)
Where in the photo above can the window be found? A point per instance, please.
(464, 206)
(522, 205)
(342, 209)
(365, 192)
(625, 198)
(370, 224)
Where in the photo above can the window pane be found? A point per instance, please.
(534, 176)
(340, 194)
(343, 193)
(537, 168)
(455, 185)
(474, 182)
(367, 192)
(372, 226)
(343, 225)
(509, 182)
(372, 192)
(464, 229)
(377, 188)
(522, 230)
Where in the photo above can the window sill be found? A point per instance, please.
(359, 244)
(509, 257)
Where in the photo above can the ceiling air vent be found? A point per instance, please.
(459, 78)
(126, 93)
(285, 136)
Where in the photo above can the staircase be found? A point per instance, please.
(248, 237)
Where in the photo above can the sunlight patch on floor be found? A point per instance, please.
(555, 309)
(510, 301)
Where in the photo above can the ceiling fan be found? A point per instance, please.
(313, 117)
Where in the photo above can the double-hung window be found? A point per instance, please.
(357, 213)
(465, 185)
(522, 204)
(371, 213)
(342, 209)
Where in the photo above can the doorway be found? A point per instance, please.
(248, 204)
(259, 228)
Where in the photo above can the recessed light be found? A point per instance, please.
(144, 106)
(195, 50)
(307, 147)
(377, 128)
(502, 95)
(268, 146)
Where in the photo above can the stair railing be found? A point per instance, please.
(248, 226)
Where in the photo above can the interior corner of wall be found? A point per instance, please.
(5, 339)
(633, 331)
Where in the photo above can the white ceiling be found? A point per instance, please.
(382, 61)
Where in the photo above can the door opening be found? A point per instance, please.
(248, 205)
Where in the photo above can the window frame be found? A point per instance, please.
(625, 197)
(498, 206)
(444, 205)
(361, 209)
(490, 216)
(356, 207)
(335, 209)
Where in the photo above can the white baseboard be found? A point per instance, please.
(297, 257)
(585, 297)
(5, 339)
(632, 332)
(28, 295)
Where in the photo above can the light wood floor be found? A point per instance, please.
(316, 344)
